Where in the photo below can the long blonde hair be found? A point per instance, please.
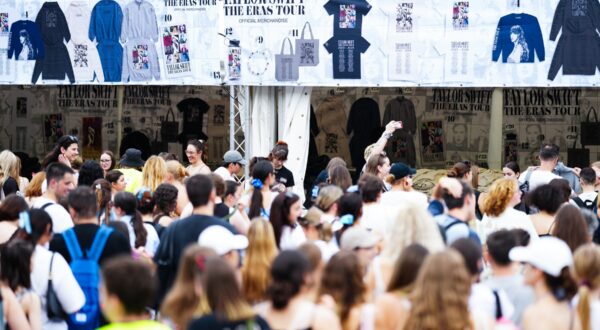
(34, 189)
(9, 166)
(499, 196)
(154, 172)
(441, 293)
(182, 303)
(256, 275)
(410, 224)
(586, 271)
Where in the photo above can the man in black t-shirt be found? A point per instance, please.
(82, 207)
(185, 232)
(284, 178)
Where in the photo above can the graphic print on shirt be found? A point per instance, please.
(347, 16)
(140, 57)
(175, 50)
(460, 15)
(403, 54)
(346, 55)
(80, 59)
(579, 7)
(460, 50)
(4, 25)
(27, 51)
(51, 19)
(520, 52)
(404, 21)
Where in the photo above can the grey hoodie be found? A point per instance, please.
(568, 174)
(139, 21)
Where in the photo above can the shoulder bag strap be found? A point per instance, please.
(99, 243)
(309, 30)
(72, 244)
(50, 271)
(498, 305)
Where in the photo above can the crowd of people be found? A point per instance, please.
(151, 244)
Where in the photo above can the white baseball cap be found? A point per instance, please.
(222, 240)
(549, 254)
(358, 238)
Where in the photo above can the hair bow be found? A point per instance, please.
(25, 222)
(98, 187)
(201, 263)
(256, 183)
(347, 219)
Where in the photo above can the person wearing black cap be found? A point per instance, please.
(232, 164)
(130, 163)
(401, 181)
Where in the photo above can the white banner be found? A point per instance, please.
(445, 43)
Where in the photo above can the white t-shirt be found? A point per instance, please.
(327, 249)
(483, 301)
(65, 286)
(588, 196)
(61, 220)
(152, 239)
(394, 197)
(375, 217)
(509, 219)
(538, 178)
(224, 173)
(291, 238)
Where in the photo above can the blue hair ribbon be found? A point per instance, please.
(256, 183)
(347, 219)
(25, 222)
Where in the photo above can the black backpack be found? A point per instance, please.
(590, 205)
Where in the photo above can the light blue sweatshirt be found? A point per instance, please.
(139, 21)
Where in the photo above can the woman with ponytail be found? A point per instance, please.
(103, 191)
(284, 178)
(586, 270)
(286, 308)
(261, 196)
(547, 261)
(36, 229)
(142, 236)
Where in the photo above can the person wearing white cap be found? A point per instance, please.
(547, 261)
(233, 163)
(225, 243)
(362, 242)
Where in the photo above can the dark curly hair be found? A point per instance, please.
(165, 200)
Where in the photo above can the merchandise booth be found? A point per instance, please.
(486, 81)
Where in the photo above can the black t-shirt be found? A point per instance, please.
(193, 118)
(210, 322)
(10, 186)
(284, 176)
(221, 210)
(348, 15)
(346, 52)
(175, 239)
(116, 244)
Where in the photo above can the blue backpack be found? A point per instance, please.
(87, 273)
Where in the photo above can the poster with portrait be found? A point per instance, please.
(92, 137)
(466, 115)
(176, 54)
(432, 142)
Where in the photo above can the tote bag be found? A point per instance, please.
(286, 65)
(307, 50)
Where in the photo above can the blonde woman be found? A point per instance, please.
(184, 302)
(23, 182)
(319, 232)
(441, 294)
(154, 172)
(9, 173)
(176, 174)
(498, 210)
(586, 270)
(410, 224)
(257, 263)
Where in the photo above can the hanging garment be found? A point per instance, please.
(348, 15)
(518, 38)
(364, 121)
(25, 41)
(347, 51)
(140, 61)
(139, 21)
(401, 146)
(105, 27)
(332, 139)
(82, 52)
(578, 49)
(54, 30)
(193, 110)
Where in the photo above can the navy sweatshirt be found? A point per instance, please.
(578, 50)
(25, 41)
(518, 38)
(55, 32)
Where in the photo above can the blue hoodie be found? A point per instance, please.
(105, 27)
